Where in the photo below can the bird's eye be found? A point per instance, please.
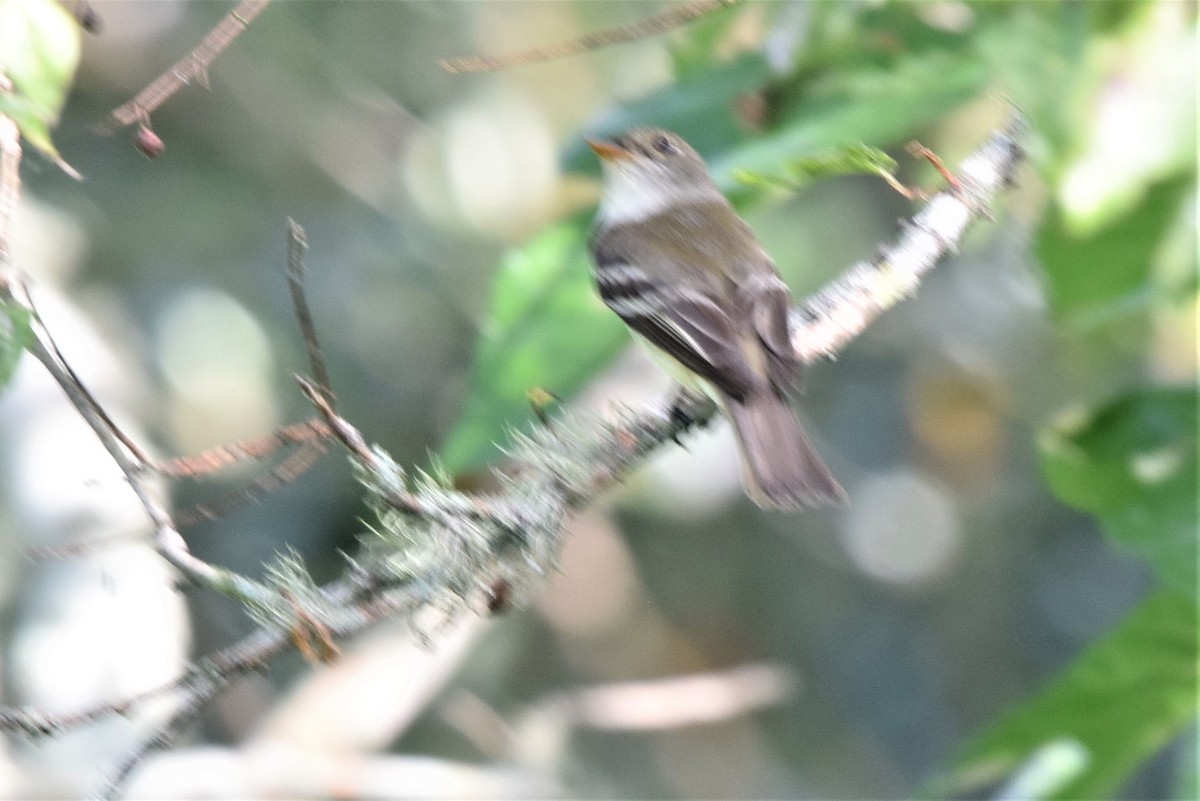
(663, 145)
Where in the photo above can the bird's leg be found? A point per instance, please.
(683, 398)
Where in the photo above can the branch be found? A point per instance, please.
(194, 66)
(132, 462)
(669, 19)
(297, 246)
(826, 322)
(167, 539)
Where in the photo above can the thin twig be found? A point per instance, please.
(396, 496)
(672, 17)
(291, 468)
(823, 324)
(143, 459)
(303, 433)
(342, 430)
(192, 67)
(168, 542)
(131, 460)
(164, 737)
(206, 678)
(918, 150)
(297, 245)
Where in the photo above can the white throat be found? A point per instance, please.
(632, 194)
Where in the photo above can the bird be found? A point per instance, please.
(675, 261)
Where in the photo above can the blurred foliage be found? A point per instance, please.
(1123, 699)
(1096, 276)
(15, 335)
(1132, 463)
(544, 313)
(39, 50)
(850, 160)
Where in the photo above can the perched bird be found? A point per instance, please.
(679, 266)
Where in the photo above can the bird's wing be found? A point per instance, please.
(764, 299)
(682, 321)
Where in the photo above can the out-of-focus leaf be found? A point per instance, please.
(39, 51)
(1113, 16)
(548, 331)
(875, 105)
(878, 81)
(15, 336)
(1108, 273)
(694, 47)
(1034, 54)
(1123, 699)
(699, 108)
(1132, 464)
(849, 160)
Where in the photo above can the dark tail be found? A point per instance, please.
(780, 469)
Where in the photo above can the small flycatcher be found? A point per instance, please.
(679, 266)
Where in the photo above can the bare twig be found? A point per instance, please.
(672, 17)
(164, 737)
(308, 432)
(291, 468)
(679, 701)
(134, 449)
(918, 150)
(345, 433)
(131, 460)
(297, 245)
(192, 67)
(906, 192)
(168, 542)
(825, 322)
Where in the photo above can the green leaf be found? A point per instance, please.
(1113, 17)
(39, 51)
(848, 160)
(1122, 701)
(15, 336)
(875, 80)
(1132, 464)
(879, 105)
(692, 48)
(548, 331)
(1096, 277)
(1036, 56)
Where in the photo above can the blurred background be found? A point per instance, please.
(692, 646)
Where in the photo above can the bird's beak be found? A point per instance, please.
(607, 151)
